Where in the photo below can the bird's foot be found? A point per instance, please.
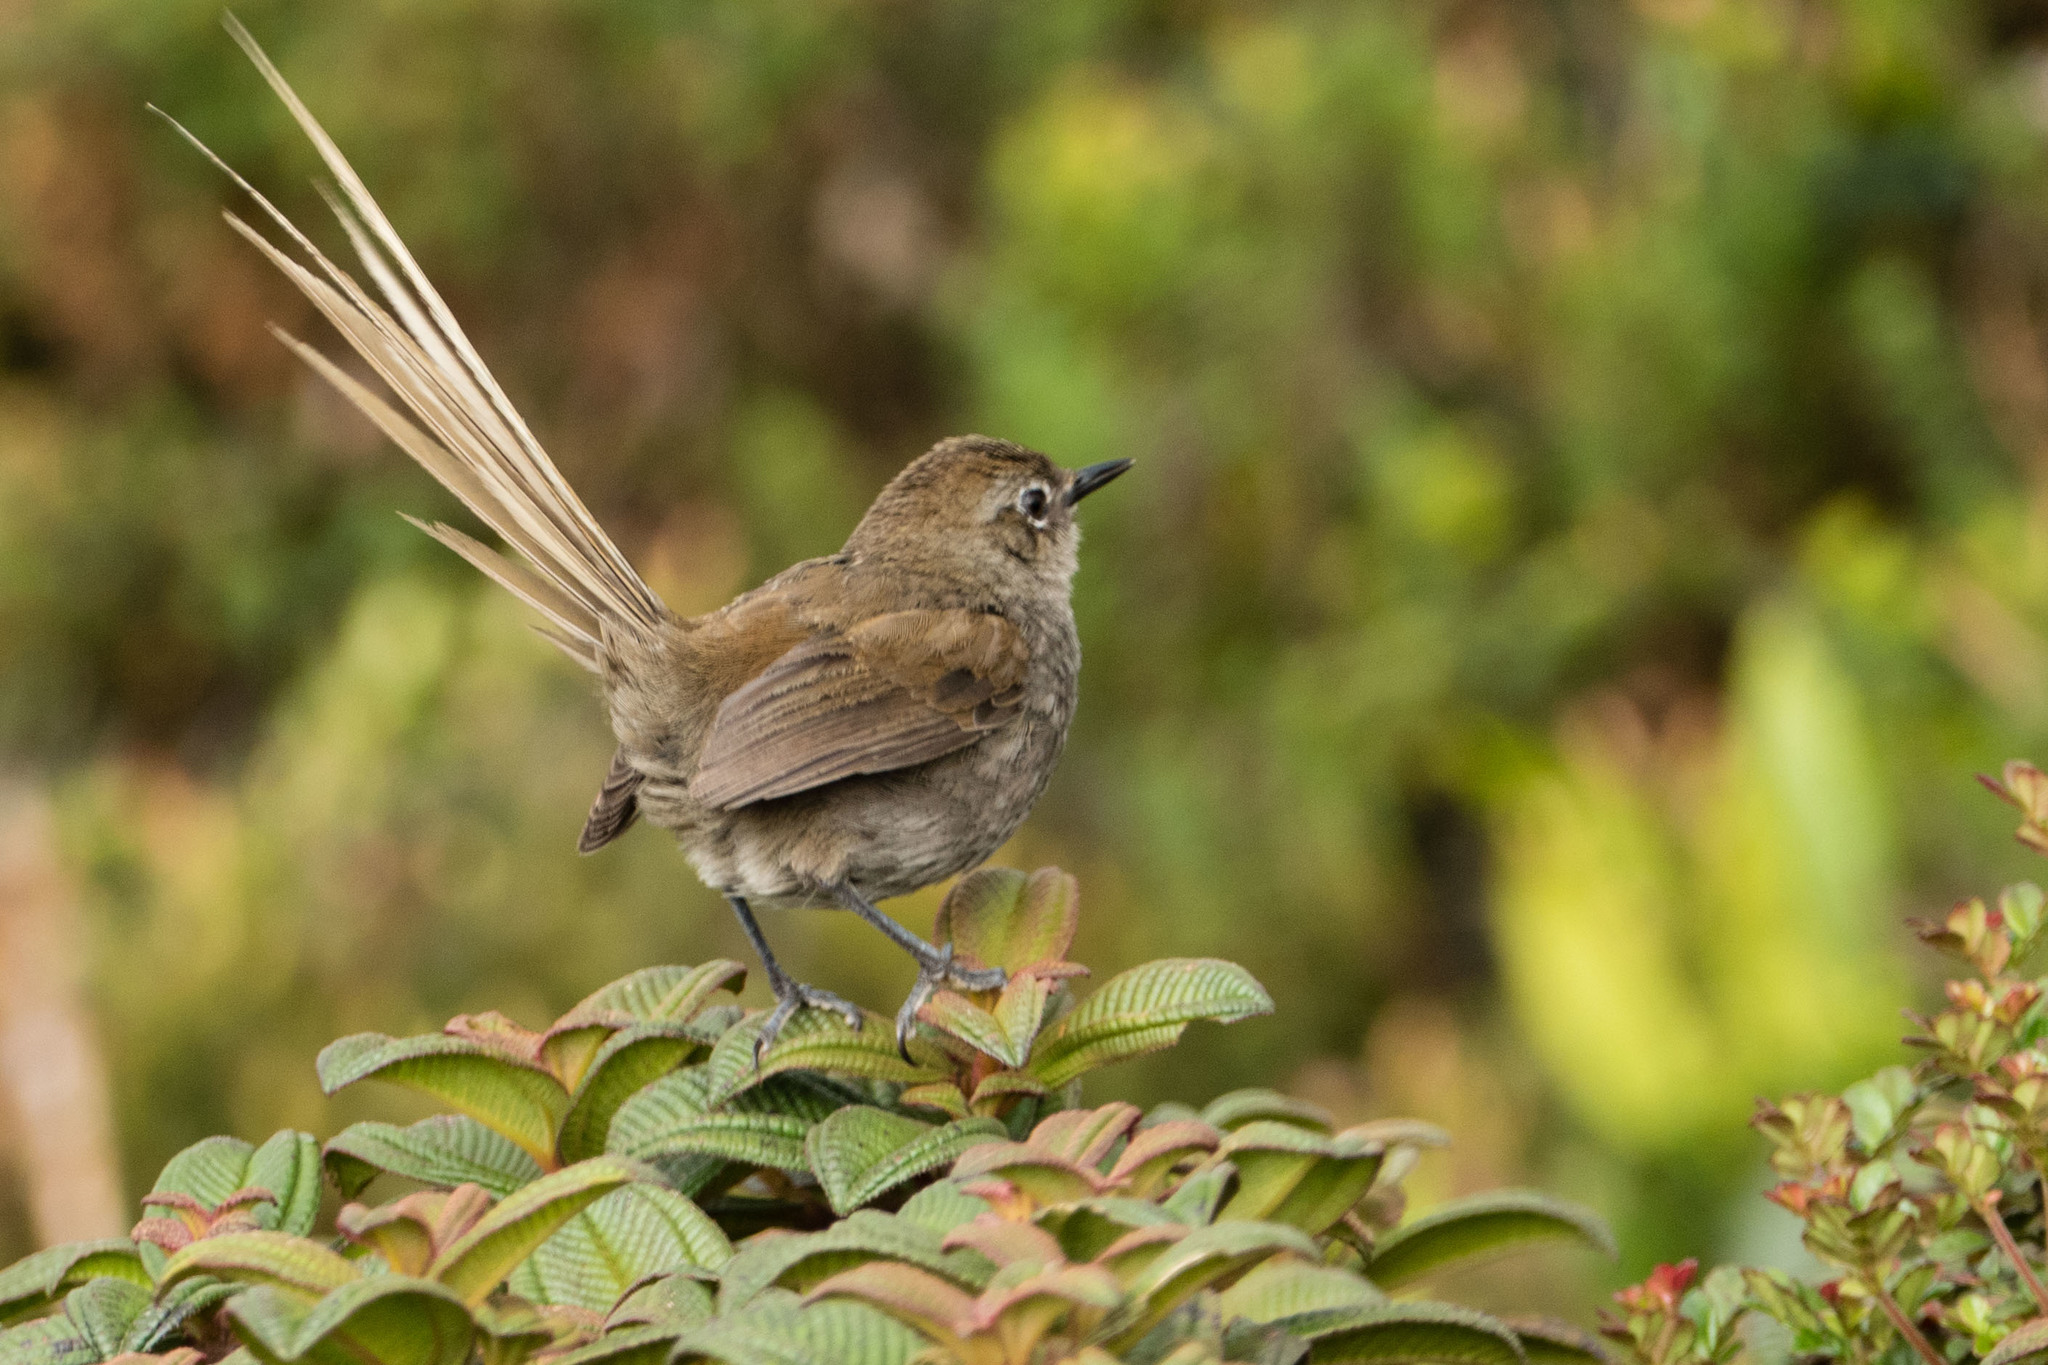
(933, 972)
(792, 995)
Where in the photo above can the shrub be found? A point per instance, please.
(629, 1186)
(1920, 1187)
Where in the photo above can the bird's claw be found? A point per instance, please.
(791, 996)
(934, 972)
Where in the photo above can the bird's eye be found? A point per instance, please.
(1032, 502)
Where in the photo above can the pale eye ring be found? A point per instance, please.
(1033, 502)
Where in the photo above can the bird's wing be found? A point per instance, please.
(897, 689)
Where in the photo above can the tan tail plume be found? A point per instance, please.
(461, 429)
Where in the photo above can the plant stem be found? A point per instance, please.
(1993, 1219)
(1903, 1325)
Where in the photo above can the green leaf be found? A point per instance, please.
(32, 1283)
(861, 1152)
(443, 1151)
(1546, 1341)
(288, 1166)
(775, 1141)
(54, 1340)
(630, 1059)
(102, 1311)
(1239, 1107)
(274, 1258)
(1420, 1333)
(1478, 1225)
(677, 1300)
(2029, 1338)
(209, 1170)
(1286, 1287)
(1876, 1105)
(652, 995)
(814, 1040)
(1154, 1153)
(648, 1345)
(172, 1308)
(1000, 917)
(478, 1261)
(523, 1102)
(952, 1012)
(942, 1206)
(1088, 1228)
(778, 1331)
(632, 1233)
(385, 1319)
(1292, 1175)
(1195, 1200)
(1143, 1010)
(801, 1260)
(1204, 1257)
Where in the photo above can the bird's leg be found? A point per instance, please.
(935, 966)
(791, 995)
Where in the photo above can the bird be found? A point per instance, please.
(858, 727)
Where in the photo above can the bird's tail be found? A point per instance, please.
(461, 427)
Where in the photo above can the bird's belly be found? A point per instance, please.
(888, 834)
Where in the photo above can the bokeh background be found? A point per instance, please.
(1591, 522)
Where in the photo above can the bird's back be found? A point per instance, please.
(887, 833)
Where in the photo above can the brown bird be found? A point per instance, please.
(855, 728)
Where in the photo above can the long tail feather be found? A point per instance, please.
(462, 428)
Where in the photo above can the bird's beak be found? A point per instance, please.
(1091, 477)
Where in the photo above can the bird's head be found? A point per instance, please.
(992, 506)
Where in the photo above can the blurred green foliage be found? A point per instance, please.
(1592, 511)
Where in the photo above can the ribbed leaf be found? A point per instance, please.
(1195, 1200)
(288, 1166)
(778, 1331)
(1546, 1341)
(171, 1308)
(277, 1258)
(678, 1300)
(102, 1311)
(801, 1260)
(444, 1151)
(1287, 1287)
(815, 1040)
(648, 1345)
(862, 1152)
(1478, 1225)
(944, 1097)
(2029, 1338)
(999, 1087)
(32, 1283)
(652, 995)
(1148, 1163)
(1207, 1256)
(1002, 918)
(1239, 1107)
(54, 1340)
(952, 1012)
(1407, 1334)
(479, 1260)
(1142, 1010)
(630, 1234)
(386, 1319)
(942, 1206)
(771, 1140)
(630, 1059)
(521, 1101)
(1088, 1228)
